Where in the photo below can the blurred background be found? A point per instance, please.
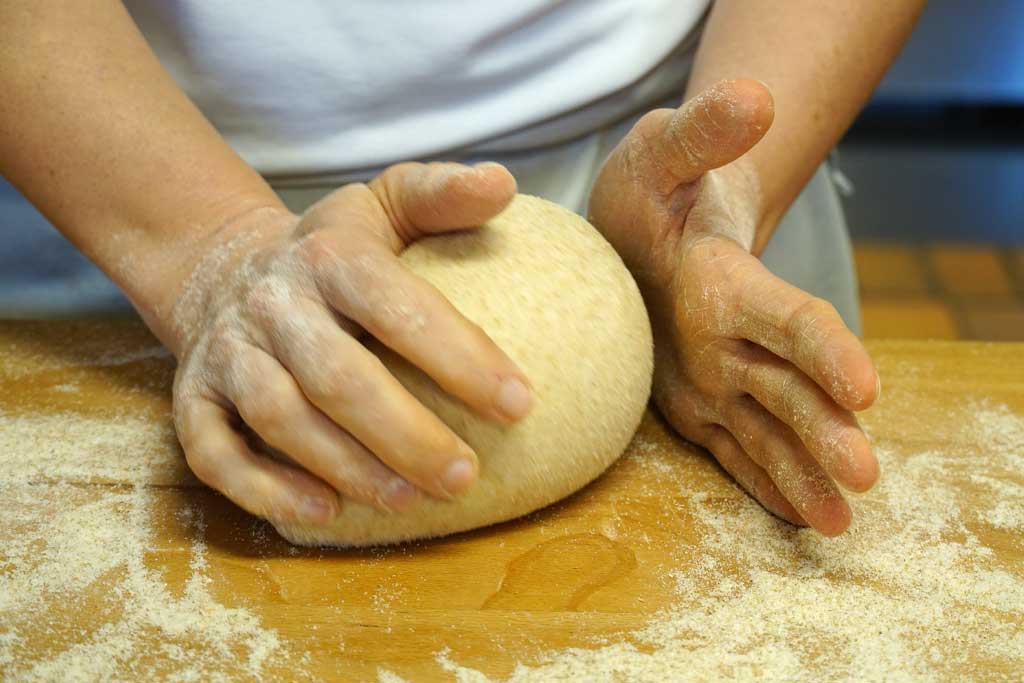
(936, 164)
(935, 191)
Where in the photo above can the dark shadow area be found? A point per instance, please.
(938, 154)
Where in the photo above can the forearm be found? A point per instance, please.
(99, 137)
(820, 60)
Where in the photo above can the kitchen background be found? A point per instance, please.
(935, 168)
(936, 162)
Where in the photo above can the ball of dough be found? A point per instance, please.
(555, 296)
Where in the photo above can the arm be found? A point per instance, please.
(99, 137)
(819, 60)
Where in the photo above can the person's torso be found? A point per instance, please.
(319, 87)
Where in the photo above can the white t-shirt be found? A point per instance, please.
(322, 87)
(316, 92)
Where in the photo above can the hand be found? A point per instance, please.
(268, 331)
(762, 374)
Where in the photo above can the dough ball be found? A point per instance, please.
(548, 288)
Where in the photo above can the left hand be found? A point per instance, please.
(762, 374)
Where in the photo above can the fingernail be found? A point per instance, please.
(315, 510)
(514, 399)
(878, 387)
(398, 495)
(457, 477)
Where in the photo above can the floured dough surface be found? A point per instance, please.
(554, 295)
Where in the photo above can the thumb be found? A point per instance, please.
(708, 131)
(423, 199)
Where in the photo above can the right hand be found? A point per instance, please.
(268, 329)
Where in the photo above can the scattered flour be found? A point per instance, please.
(912, 592)
(83, 597)
(68, 447)
(87, 549)
(909, 593)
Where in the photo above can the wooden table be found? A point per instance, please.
(114, 561)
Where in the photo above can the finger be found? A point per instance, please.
(796, 473)
(411, 200)
(220, 458)
(423, 199)
(270, 402)
(750, 475)
(830, 432)
(410, 316)
(690, 414)
(708, 131)
(801, 328)
(353, 388)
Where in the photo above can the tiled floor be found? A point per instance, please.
(941, 290)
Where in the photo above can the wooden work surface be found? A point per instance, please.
(583, 573)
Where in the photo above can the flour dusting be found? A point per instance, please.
(909, 593)
(924, 585)
(75, 541)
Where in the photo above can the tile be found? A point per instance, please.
(969, 270)
(886, 268)
(917, 318)
(995, 323)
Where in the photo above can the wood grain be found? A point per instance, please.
(589, 569)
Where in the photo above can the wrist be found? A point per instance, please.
(188, 269)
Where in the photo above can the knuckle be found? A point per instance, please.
(368, 491)
(360, 279)
(255, 499)
(223, 336)
(714, 372)
(262, 495)
(425, 439)
(650, 125)
(327, 211)
(794, 407)
(201, 461)
(397, 312)
(762, 489)
(399, 170)
(358, 475)
(223, 342)
(268, 410)
(337, 382)
(318, 250)
(437, 444)
(832, 438)
(480, 351)
(686, 411)
(733, 374)
(734, 416)
(395, 319)
(715, 438)
(268, 301)
(807, 314)
(430, 443)
(188, 437)
(747, 423)
(274, 508)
